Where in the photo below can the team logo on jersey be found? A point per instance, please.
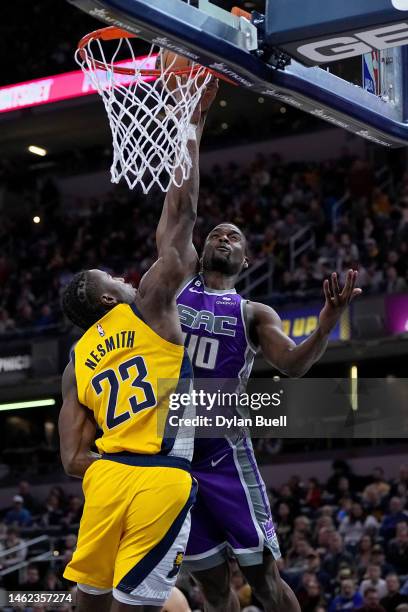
(100, 329)
(176, 564)
(269, 530)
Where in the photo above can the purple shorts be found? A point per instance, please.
(232, 514)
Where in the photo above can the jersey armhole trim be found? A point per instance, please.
(137, 312)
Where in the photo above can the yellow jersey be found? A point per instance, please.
(125, 373)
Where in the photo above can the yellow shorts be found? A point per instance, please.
(134, 529)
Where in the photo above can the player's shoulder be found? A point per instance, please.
(68, 382)
(262, 313)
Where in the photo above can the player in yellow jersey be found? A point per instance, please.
(138, 489)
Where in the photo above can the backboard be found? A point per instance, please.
(263, 54)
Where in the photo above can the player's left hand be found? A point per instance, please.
(337, 300)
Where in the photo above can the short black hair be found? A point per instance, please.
(80, 301)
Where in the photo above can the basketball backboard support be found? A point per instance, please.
(231, 47)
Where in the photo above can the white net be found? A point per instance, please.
(149, 116)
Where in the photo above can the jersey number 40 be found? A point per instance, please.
(202, 351)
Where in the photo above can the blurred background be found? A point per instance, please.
(310, 198)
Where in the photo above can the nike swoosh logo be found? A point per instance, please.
(214, 463)
(194, 290)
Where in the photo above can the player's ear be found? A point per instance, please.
(109, 300)
(245, 265)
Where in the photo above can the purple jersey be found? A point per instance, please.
(213, 322)
(216, 339)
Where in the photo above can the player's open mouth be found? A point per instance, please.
(224, 249)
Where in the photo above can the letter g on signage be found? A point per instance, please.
(400, 5)
(333, 49)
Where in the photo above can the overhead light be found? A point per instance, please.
(36, 219)
(37, 150)
(223, 103)
(261, 100)
(283, 110)
(224, 126)
(28, 404)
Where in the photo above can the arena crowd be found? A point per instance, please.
(344, 542)
(270, 200)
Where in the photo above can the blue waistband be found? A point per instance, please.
(149, 460)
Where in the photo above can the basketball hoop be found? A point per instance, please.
(149, 105)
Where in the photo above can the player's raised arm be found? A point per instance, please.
(76, 427)
(279, 350)
(180, 206)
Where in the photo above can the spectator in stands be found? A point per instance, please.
(297, 556)
(314, 566)
(302, 527)
(60, 493)
(7, 324)
(341, 469)
(312, 596)
(68, 548)
(397, 553)
(13, 540)
(354, 525)
(336, 555)
(32, 581)
(29, 502)
(52, 582)
(379, 483)
(284, 525)
(52, 516)
(401, 481)
(393, 283)
(343, 489)
(371, 601)
(313, 495)
(395, 515)
(364, 552)
(393, 598)
(373, 580)
(348, 599)
(18, 515)
(371, 500)
(241, 588)
(74, 512)
(378, 558)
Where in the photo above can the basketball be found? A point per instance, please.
(172, 61)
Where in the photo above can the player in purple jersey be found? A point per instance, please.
(223, 334)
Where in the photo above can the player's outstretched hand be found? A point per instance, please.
(337, 300)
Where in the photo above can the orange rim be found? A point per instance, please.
(239, 12)
(114, 33)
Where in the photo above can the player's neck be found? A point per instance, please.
(217, 280)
